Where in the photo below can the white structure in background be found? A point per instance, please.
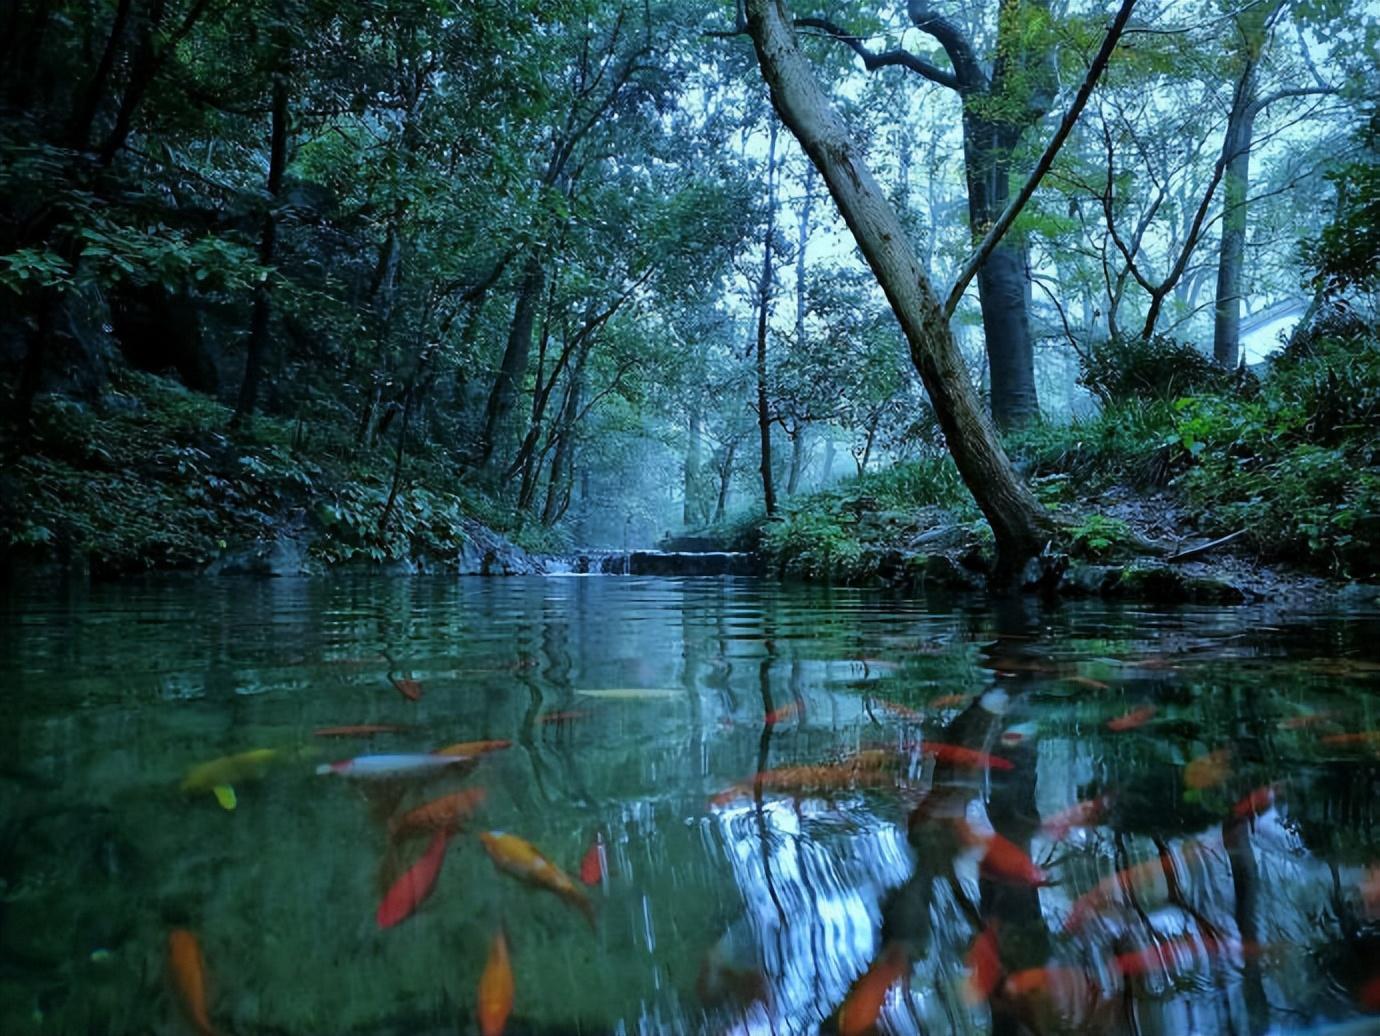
(1263, 334)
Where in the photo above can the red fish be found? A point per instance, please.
(1088, 813)
(1303, 722)
(1370, 892)
(1133, 719)
(1004, 860)
(788, 711)
(958, 755)
(1368, 996)
(415, 885)
(984, 966)
(593, 867)
(903, 711)
(1170, 956)
(188, 971)
(1209, 770)
(1254, 804)
(1087, 681)
(444, 814)
(494, 1002)
(1363, 739)
(359, 730)
(409, 689)
(863, 1005)
(473, 749)
(1136, 878)
(951, 701)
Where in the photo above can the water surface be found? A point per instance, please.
(754, 870)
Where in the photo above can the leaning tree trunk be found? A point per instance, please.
(513, 366)
(1019, 524)
(764, 286)
(1231, 260)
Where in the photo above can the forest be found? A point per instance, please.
(1032, 280)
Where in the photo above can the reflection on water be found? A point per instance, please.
(706, 806)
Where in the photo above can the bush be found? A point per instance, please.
(1120, 370)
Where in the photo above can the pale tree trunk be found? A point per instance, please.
(690, 513)
(1019, 524)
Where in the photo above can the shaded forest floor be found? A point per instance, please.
(150, 477)
(1286, 464)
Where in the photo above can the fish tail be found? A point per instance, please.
(586, 907)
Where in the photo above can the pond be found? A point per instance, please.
(765, 809)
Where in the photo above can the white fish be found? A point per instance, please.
(634, 693)
(377, 766)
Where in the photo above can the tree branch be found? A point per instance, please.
(1003, 224)
(873, 60)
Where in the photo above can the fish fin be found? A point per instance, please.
(225, 795)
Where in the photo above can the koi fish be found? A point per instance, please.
(1370, 892)
(788, 711)
(863, 1005)
(984, 966)
(444, 814)
(1018, 733)
(1254, 804)
(188, 971)
(1002, 859)
(958, 755)
(634, 693)
(1368, 995)
(522, 860)
(494, 1002)
(1088, 813)
(951, 701)
(379, 767)
(1208, 771)
(800, 780)
(1170, 956)
(1305, 721)
(1055, 998)
(409, 689)
(220, 775)
(415, 885)
(1088, 681)
(593, 867)
(359, 730)
(473, 749)
(1133, 719)
(1363, 739)
(903, 711)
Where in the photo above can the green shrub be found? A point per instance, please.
(1121, 369)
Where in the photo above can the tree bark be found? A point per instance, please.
(763, 309)
(1019, 524)
(513, 366)
(690, 512)
(258, 325)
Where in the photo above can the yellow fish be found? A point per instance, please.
(220, 775)
(522, 860)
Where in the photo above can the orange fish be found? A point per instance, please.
(1170, 956)
(1254, 804)
(1002, 859)
(1208, 771)
(785, 712)
(903, 711)
(1303, 722)
(359, 730)
(984, 966)
(951, 701)
(1135, 718)
(1364, 739)
(415, 885)
(1370, 892)
(521, 859)
(409, 689)
(592, 867)
(444, 814)
(473, 749)
(495, 998)
(863, 771)
(1088, 813)
(188, 972)
(1088, 681)
(958, 755)
(863, 1005)
(1055, 998)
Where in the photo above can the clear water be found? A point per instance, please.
(753, 911)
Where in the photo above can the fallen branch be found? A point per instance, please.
(1196, 552)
